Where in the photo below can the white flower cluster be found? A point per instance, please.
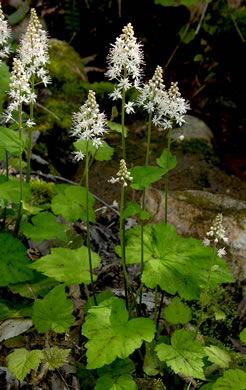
(20, 91)
(216, 234)
(125, 59)
(152, 92)
(33, 50)
(5, 33)
(171, 108)
(123, 175)
(89, 123)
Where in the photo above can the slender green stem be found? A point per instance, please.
(166, 176)
(143, 202)
(30, 131)
(204, 298)
(122, 246)
(87, 220)
(7, 178)
(18, 220)
(88, 295)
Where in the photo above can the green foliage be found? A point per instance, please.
(144, 176)
(117, 376)
(4, 81)
(231, 380)
(133, 208)
(103, 153)
(13, 261)
(110, 333)
(53, 312)
(243, 336)
(218, 356)
(44, 227)
(185, 354)
(70, 202)
(9, 139)
(55, 357)
(21, 362)
(177, 312)
(39, 286)
(10, 190)
(151, 364)
(13, 310)
(162, 161)
(117, 127)
(68, 265)
(174, 263)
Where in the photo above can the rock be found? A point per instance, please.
(193, 128)
(192, 213)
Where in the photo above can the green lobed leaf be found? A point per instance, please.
(218, 356)
(13, 261)
(219, 314)
(144, 176)
(10, 190)
(70, 202)
(162, 161)
(106, 294)
(40, 285)
(151, 364)
(174, 263)
(55, 357)
(9, 139)
(133, 208)
(177, 312)
(68, 265)
(124, 382)
(110, 333)
(21, 362)
(185, 354)
(117, 128)
(44, 227)
(231, 380)
(117, 368)
(103, 153)
(8, 310)
(53, 312)
(243, 336)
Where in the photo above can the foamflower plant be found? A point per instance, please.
(125, 60)
(34, 56)
(88, 124)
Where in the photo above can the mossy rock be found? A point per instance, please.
(65, 63)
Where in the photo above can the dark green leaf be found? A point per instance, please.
(117, 127)
(162, 161)
(133, 208)
(177, 312)
(231, 380)
(10, 190)
(103, 153)
(13, 261)
(9, 139)
(44, 227)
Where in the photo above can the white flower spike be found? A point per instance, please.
(33, 50)
(5, 33)
(89, 124)
(123, 175)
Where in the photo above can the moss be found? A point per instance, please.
(196, 146)
(42, 191)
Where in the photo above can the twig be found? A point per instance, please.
(54, 178)
(47, 110)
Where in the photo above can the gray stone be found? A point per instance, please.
(193, 128)
(192, 213)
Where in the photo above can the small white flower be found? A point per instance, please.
(30, 123)
(206, 241)
(221, 252)
(129, 107)
(78, 156)
(116, 94)
(123, 175)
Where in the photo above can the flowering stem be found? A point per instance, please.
(88, 295)
(204, 298)
(143, 201)
(166, 176)
(123, 120)
(156, 303)
(122, 246)
(18, 220)
(87, 220)
(29, 148)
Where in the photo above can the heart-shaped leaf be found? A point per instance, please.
(144, 176)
